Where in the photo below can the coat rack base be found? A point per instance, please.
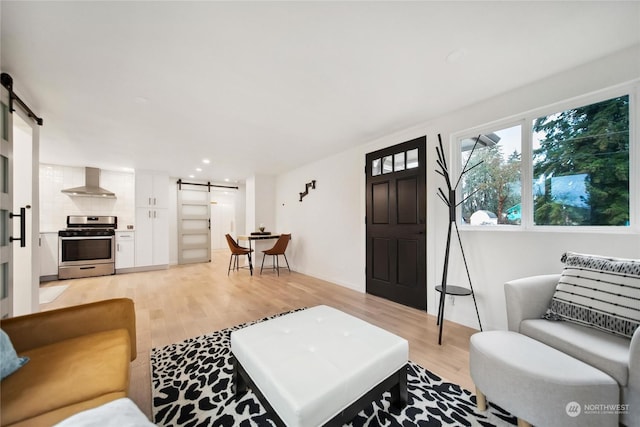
(457, 291)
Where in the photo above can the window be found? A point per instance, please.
(577, 168)
(491, 186)
(581, 165)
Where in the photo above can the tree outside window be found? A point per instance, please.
(581, 165)
(491, 189)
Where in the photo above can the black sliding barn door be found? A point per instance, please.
(396, 223)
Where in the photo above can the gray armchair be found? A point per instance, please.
(527, 300)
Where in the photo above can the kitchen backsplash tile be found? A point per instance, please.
(55, 206)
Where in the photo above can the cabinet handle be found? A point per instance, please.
(154, 214)
(149, 200)
(118, 247)
(149, 214)
(154, 201)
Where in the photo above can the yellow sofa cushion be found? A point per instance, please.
(92, 367)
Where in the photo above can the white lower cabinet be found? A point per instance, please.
(48, 255)
(125, 249)
(152, 237)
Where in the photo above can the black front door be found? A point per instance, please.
(396, 223)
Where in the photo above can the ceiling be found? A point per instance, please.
(265, 87)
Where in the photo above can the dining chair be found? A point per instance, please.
(278, 249)
(236, 250)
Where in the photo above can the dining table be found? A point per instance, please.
(255, 237)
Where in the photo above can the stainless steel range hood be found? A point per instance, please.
(91, 187)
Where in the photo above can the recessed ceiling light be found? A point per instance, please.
(226, 180)
(206, 161)
(192, 176)
(198, 169)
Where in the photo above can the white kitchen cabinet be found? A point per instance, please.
(152, 189)
(48, 255)
(151, 246)
(125, 249)
(151, 237)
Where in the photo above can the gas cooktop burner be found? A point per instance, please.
(89, 226)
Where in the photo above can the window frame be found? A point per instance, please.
(526, 120)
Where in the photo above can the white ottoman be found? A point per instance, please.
(319, 366)
(539, 384)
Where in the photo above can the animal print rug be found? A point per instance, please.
(191, 386)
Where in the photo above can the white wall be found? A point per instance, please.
(336, 210)
(55, 205)
(172, 214)
(326, 226)
(223, 216)
(241, 208)
(260, 207)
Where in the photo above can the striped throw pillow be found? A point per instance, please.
(598, 292)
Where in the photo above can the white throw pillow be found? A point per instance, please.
(598, 292)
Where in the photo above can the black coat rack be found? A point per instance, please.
(449, 198)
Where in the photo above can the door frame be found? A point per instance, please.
(419, 227)
(6, 205)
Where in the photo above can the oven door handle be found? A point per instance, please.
(87, 237)
(23, 226)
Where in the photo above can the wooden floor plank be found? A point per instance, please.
(190, 300)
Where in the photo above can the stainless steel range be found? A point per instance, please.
(86, 247)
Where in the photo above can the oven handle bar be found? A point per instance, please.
(86, 237)
(23, 226)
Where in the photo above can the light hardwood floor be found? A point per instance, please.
(191, 300)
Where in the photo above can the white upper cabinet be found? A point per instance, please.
(152, 189)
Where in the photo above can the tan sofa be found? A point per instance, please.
(79, 359)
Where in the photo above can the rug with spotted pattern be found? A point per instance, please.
(192, 386)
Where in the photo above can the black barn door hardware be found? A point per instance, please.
(23, 226)
(7, 82)
(209, 185)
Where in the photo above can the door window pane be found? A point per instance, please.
(4, 278)
(581, 165)
(376, 167)
(387, 164)
(412, 158)
(398, 161)
(4, 121)
(4, 227)
(4, 174)
(491, 185)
